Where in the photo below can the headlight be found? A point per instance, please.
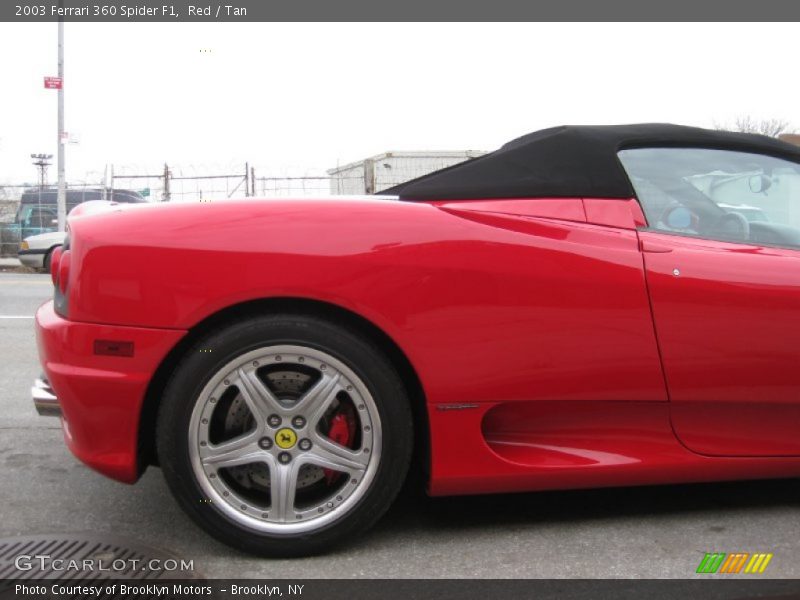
(23, 246)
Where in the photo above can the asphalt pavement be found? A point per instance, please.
(629, 533)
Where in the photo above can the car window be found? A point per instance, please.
(40, 217)
(24, 215)
(717, 194)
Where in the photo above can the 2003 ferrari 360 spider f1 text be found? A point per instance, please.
(587, 306)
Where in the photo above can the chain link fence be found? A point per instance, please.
(270, 187)
(185, 183)
(192, 184)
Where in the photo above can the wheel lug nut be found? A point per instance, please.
(305, 444)
(265, 443)
(299, 422)
(273, 421)
(284, 458)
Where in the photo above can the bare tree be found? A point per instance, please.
(748, 124)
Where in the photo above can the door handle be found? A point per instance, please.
(653, 247)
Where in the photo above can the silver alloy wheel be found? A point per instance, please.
(283, 443)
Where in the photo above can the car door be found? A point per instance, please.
(725, 294)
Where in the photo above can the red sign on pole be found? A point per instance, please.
(53, 83)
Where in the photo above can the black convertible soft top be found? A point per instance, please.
(573, 161)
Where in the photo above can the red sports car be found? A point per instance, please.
(586, 306)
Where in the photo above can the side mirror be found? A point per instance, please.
(759, 183)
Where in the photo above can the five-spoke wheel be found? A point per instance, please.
(285, 434)
(266, 441)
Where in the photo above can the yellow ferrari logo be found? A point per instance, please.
(285, 438)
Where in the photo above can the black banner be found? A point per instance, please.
(396, 10)
(405, 589)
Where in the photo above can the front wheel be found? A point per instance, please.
(284, 435)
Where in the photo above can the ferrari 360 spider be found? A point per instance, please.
(586, 306)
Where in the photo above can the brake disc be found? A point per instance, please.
(288, 386)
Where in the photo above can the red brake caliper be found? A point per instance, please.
(343, 432)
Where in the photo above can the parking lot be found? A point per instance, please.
(647, 532)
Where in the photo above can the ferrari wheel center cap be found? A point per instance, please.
(285, 438)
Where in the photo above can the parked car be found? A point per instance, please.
(570, 311)
(35, 250)
(38, 209)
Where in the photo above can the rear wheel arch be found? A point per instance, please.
(293, 306)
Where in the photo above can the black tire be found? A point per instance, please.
(198, 368)
(46, 261)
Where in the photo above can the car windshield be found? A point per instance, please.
(692, 190)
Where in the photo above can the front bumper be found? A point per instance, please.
(99, 397)
(32, 258)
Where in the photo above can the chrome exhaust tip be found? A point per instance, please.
(44, 399)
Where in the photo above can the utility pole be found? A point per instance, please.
(62, 184)
(42, 161)
(369, 176)
(166, 196)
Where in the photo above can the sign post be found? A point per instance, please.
(62, 184)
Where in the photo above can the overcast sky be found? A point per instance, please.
(302, 97)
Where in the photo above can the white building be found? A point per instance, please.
(377, 173)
